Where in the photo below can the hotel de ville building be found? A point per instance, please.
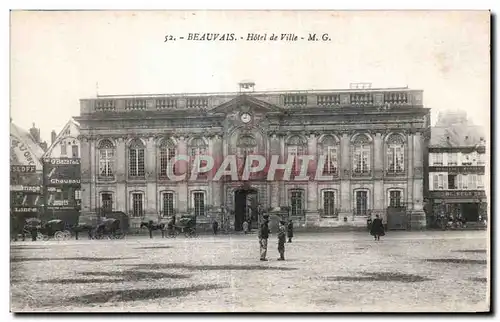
(373, 141)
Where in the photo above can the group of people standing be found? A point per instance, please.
(284, 230)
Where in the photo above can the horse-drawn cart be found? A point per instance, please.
(56, 229)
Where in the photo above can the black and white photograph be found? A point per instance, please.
(250, 161)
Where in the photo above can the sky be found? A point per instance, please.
(57, 58)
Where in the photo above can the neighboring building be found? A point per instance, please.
(62, 174)
(373, 141)
(26, 151)
(457, 161)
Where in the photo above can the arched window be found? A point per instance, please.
(106, 159)
(296, 146)
(136, 159)
(197, 147)
(361, 155)
(329, 149)
(167, 153)
(246, 145)
(395, 154)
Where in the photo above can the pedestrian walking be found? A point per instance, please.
(245, 227)
(281, 240)
(377, 228)
(215, 226)
(263, 237)
(290, 230)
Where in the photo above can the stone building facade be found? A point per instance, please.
(373, 141)
(457, 170)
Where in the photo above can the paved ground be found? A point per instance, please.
(406, 271)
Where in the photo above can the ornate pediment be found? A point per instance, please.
(245, 103)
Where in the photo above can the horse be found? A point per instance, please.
(152, 227)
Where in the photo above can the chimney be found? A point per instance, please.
(52, 137)
(35, 133)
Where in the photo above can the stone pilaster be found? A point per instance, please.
(378, 170)
(94, 170)
(183, 192)
(86, 174)
(418, 219)
(283, 157)
(409, 170)
(345, 152)
(120, 202)
(312, 149)
(345, 170)
(121, 159)
(218, 154)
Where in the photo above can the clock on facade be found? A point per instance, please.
(245, 117)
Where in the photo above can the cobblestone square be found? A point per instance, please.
(323, 272)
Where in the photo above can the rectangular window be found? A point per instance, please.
(137, 206)
(194, 152)
(480, 183)
(64, 151)
(435, 182)
(466, 159)
(166, 156)
(137, 163)
(295, 151)
(361, 159)
(74, 151)
(452, 158)
(451, 182)
(395, 158)
(441, 181)
(168, 204)
(199, 203)
(481, 159)
(106, 201)
(361, 203)
(296, 202)
(331, 162)
(78, 194)
(395, 198)
(329, 203)
(472, 181)
(437, 159)
(106, 157)
(465, 182)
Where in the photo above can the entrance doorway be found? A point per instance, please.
(470, 211)
(245, 208)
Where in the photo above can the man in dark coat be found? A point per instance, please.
(377, 228)
(263, 236)
(281, 240)
(215, 226)
(290, 230)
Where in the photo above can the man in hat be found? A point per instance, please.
(263, 236)
(281, 240)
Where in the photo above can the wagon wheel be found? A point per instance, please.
(45, 237)
(59, 235)
(67, 234)
(40, 236)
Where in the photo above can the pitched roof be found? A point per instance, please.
(24, 150)
(456, 136)
(62, 134)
